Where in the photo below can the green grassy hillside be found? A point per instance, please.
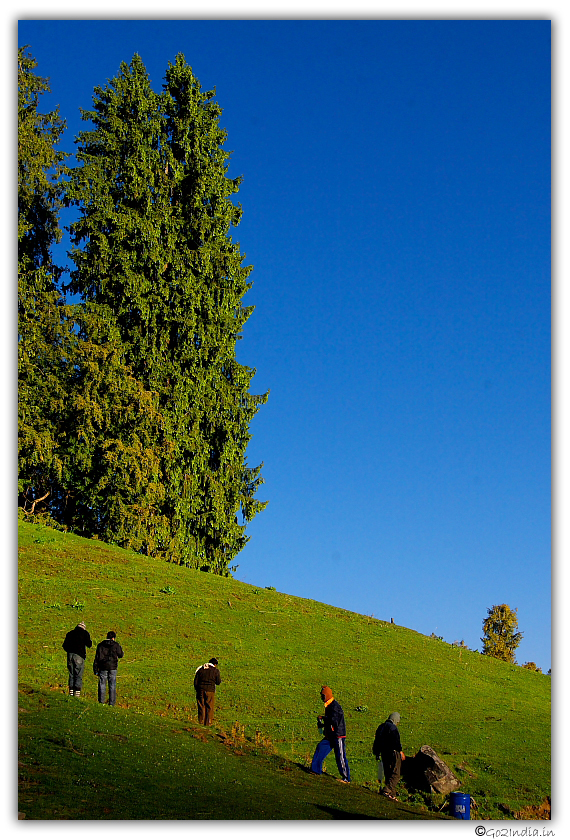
(488, 720)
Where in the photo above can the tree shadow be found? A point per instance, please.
(338, 814)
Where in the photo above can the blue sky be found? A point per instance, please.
(396, 202)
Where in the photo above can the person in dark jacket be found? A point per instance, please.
(206, 678)
(334, 733)
(388, 748)
(75, 644)
(105, 666)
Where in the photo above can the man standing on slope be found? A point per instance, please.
(206, 678)
(388, 748)
(334, 732)
(105, 666)
(75, 644)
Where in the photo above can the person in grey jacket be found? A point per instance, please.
(105, 666)
(387, 748)
(75, 644)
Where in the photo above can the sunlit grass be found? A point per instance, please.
(488, 720)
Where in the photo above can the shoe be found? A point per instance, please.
(344, 781)
(390, 796)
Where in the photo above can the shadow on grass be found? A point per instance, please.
(338, 814)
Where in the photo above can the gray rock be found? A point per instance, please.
(435, 771)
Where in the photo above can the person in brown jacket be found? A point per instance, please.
(206, 678)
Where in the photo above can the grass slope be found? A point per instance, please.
(83, 761)
(488, 720)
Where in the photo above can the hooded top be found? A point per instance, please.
(326, 694)
(333, 723)
(107, 656)
(387, 738)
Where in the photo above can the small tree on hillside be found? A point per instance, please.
(532, 666)
(501, 638)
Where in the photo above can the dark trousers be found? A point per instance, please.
(206, 701)
(392, 762)
(323, 749)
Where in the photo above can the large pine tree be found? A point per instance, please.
(110, 464)
(44, 335)
(153, 251)
(76, 396)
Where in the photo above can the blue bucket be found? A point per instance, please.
(460, 805)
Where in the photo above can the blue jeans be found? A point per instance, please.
(75, 666)
(323, 749)
(111, 678)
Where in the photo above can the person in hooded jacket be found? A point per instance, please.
(105, 666)
(387, 748)
(75, 644)
(334, 733)
(206, 678)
